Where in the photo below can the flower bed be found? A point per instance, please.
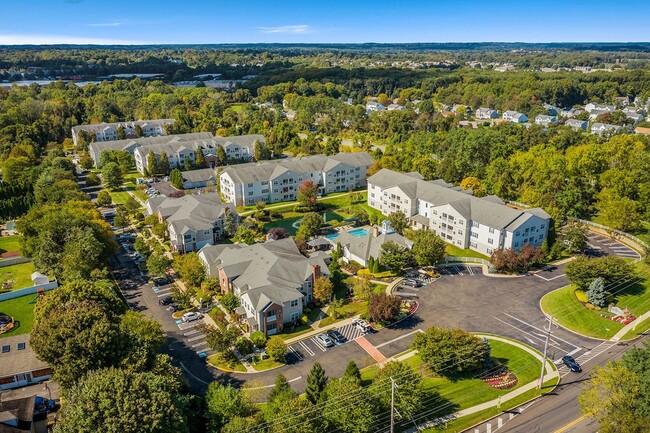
(502, 379)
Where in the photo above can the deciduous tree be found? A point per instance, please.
(383, 308)
(446, 351)
(112, 175)
(323, 289)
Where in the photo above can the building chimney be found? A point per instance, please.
(375, 231)
(315, 271)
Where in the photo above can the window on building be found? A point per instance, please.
(489, 251)
(294, 303)
(542, 227)
(250, 192)
(491, 230)
(250, 185)
(516, 244)
(475, 224)
(490, 241)
(444, 215)
(473, 244)
(460, 232)
(474, 235)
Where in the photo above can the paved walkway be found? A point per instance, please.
(371, 350)
(630, 326)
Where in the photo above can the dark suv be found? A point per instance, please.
(572, 364)
(336, 336)
(166, 300)
(162, 281)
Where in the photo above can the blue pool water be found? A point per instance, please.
(357, 233)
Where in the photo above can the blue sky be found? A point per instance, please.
(241, 21)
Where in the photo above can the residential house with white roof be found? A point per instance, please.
(272, 280)
(551, 110)
(604, 128)
(571, 112)
(515, 117)
(577, 124)
(486, 113)
(481, 224)
(374, 106)
(602, 107)
(193, 221)
(110, 131)
(545, 120)
(278, 180)
(395, 107)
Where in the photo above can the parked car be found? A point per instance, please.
(411, 282)
(362, 325)
(324, 340)
(572, 364)
(167, 300)
(162, 281)
(173, 307)
(336, 336)
(192, 316)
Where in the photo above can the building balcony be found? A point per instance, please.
(270, 319)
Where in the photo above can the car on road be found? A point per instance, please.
(162, 281)
(362, 325)
(324, 340)
(336, 336)
(572, 364)
(192, 316)
(166, 300)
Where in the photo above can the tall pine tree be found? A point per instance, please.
(316, 382)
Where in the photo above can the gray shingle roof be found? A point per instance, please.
(368, 245)
(190, 212)
(102, 146)
(200, 175)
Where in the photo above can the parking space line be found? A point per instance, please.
(459, 270)
(296, 354)
(200, 337)
(191, 332)
(541, 330)
(525, 332)
(398, 338)
(202, 343)
(317, 343)
(470, 270)
(549, 279)
(304, 346)
(163, 294)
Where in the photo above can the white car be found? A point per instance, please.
(362, 325)
(324, 340)
(192, 316)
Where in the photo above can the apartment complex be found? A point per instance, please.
(481, 224)
(96, 149)
(238, 148)
(273, 281)
(278, 180)
(110, 131)
(193, 221)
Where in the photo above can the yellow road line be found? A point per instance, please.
(571, 424)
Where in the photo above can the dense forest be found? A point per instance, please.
(570, 173)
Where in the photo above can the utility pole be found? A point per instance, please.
(548, 336)
(392, 405)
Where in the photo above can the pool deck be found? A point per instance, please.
(363, 231)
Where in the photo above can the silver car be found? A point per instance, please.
(324, 340)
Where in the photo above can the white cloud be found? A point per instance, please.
(61, 39)
(111, 24)
(298, 28)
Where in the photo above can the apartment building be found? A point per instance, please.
(279, 180)
(481, 224)
(237, 149)
(96, 149)
(273, 281)
(110, 131)
(193, 221)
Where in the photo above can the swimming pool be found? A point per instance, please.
(357, 233)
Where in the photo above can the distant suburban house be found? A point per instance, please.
(395, 107)
(486, 113)
(361, 248)
(481, 224)
(374, 106)
(273, 280)
(545, 120)
(96, 149)
(19, 365)
(642, 130)
(193, 221)
(601, 107)
(604, 128)
(198, 178)
(571, 112)
(633, 115)
(109, 131)
(593, 114)
(19, 415)
(515, 117)
(278, 180)
(577, 124)
(551, 110)
(237, 148)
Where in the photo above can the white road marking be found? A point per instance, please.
(296, 354)
(549, 279)
(304, 346)
(271, 386)
(194, 377)
(202, 343)
(525, 323)
(318, 343)
(191, 333)
(398, 338)
(200, 337)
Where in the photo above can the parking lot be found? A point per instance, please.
(310, 347)
(600, 245)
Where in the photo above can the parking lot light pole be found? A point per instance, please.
(548, 336)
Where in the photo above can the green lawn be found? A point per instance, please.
(267, 364)
(454, 251)
(291, 221)
(130, 186)
(21, 274)
(119, 197)
(464, 391)
(9, 243)
(331, 201)
(218, 362)
(571, 314)
(22, 312)
(640, 329)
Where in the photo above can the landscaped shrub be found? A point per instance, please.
(304, 319)
(244, 345)
(259, 339)
(306, 310)
(582, 296)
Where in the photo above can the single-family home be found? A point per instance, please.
(374, 106)
(514, 117)
(19, 365)
(395, 107)
(633, 115)
(604, 128)
(198, 178)
(110, 131)
(278, 180)
(551, 110)
(193, 221)
(593, 114)
(577, 124)
(571, 112)
(482, 224)
(602, 107)
(486, 113)
(642, 130)
(272, 280)
(361, 248)
(545, 120)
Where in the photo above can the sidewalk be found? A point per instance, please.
(630, 326)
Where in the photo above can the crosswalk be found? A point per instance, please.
(586, 356)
